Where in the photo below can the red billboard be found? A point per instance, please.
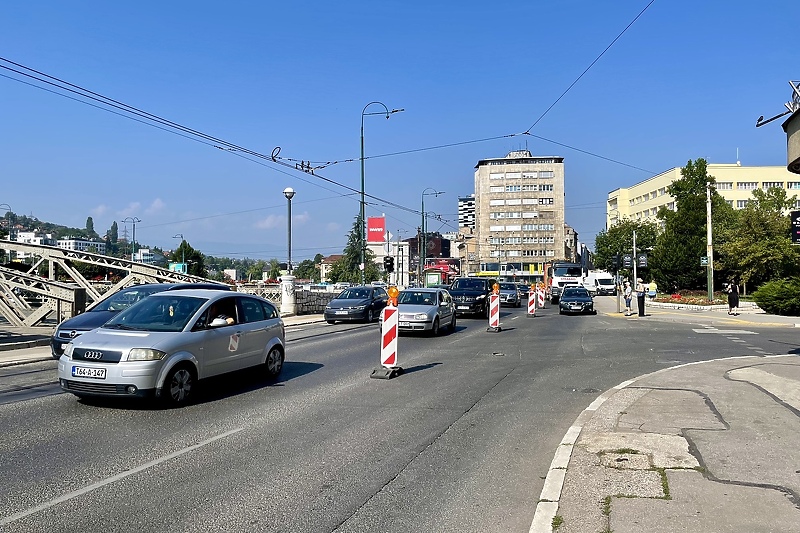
(376, 229)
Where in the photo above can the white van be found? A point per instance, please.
(599, 282)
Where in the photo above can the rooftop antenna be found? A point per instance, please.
(738, 163)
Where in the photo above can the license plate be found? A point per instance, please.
(341, 312)
(575, 306)
(84, 372)
(461, 307)
(405, 324)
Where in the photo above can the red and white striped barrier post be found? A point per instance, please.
(494, 309)
(532, 303)
(388, 368)
(540, 296)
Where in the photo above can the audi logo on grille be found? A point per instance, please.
(93, 355)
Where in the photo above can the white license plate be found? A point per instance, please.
(574, 306)
(462, 307)
(84, 372)
(405, 324)
(341, 312)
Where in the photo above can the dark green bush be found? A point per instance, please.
(781, 297)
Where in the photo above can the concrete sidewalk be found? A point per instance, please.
(703, 447)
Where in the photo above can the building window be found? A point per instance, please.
(547, 174)
(772, 184)
(496, 176)
(530, 214)
(746, 185)
(741, 204)
(730, 202)
(513, 228)
(793, 185)
(531, 187)
(546, 187)
(513, 175)
(512, 188)
(529, 175)
(545, 201)
(514, 201)
(497, 228)
(497, 202)
(662, 191)
(498, 188)
(645, 197)
(724, 185)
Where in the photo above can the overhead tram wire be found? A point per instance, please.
(191, 133)
(571, 85)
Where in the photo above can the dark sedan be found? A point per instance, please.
(576, 300)
(107, 308)
(357, 303)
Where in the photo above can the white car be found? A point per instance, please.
(165, 344)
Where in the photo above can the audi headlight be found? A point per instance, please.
(361, 307)
(420, 316)
(68, 349)
(145, 354)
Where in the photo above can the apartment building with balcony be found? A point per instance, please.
(734, 182)
(519, 214)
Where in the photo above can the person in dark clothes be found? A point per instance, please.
(733, 298)
(640, 294)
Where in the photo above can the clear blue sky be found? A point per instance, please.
(686, 80)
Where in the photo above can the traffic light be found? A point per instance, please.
(388, 263)
(615, 261)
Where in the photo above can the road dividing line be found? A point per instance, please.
(113, 479)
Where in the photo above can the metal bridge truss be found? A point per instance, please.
(70, 298)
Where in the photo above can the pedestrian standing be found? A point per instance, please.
(640, 294)
(733, 298)
(628, 293)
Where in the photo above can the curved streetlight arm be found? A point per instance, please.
(362, 222)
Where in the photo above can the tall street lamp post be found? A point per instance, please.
(134, 221)
(423, 249)
(288, 192)
(183, 252)
(8, 224)
(362, 240)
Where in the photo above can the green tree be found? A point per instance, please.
(681, 243)
(273, 269)
(619, 240)
(347, 268)
(307, 269)
(90, 233)
(194, 258)
(757, 246)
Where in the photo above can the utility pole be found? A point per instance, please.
(635, 277)
(709, 246)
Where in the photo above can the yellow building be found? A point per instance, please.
(734, 182)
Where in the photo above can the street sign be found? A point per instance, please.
(795, 218)
(627, 261)
(704, 260)
(641, 260)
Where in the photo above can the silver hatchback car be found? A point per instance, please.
(426, 309)
(164, 344)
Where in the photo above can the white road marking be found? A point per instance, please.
(107, 481)
(726, 331)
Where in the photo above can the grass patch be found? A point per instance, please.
(606, 506)
(664, 482)
(558, 521)
(625, 450)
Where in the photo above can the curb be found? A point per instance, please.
(24, 344)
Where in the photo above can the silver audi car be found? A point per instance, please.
(163, 345)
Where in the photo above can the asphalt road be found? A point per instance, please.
(461, 442)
